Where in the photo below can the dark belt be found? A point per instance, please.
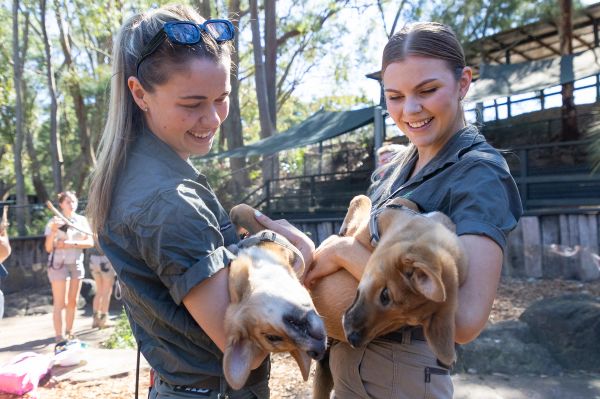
(416, 333)
(398, 335)
(213, 383)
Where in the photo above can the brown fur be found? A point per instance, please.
(269, 311)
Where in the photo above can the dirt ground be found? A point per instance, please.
(514, 296)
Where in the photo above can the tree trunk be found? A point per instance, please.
(271, 59)
(204, 8)
(266, 127)
(570, 130)
(38, 182)
(232, 127)
(55, 148)
(19, 122)
(76, 94)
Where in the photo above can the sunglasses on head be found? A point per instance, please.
(187, 33)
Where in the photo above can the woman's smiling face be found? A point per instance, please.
(423, 98)
(187, 110)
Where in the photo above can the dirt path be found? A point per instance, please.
(111, 373)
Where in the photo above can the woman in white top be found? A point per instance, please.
(65, 245)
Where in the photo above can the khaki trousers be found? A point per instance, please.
(386, 370)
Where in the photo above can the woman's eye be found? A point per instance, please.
(191, 106)
(395, 98)
(429, 91)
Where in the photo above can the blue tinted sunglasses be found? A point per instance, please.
(187, 33)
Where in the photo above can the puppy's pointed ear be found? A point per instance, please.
(239, 278)
(428, 282)
(237, 361)
(303, 361)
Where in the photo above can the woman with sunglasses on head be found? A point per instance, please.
(157, 219)
(449, 167)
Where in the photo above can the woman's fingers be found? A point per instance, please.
(300, 240)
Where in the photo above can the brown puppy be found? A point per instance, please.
(270, 310)
(408, 244)
(412, 278)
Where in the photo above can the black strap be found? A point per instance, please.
(137, 372)
(271, 236)
(374, 227)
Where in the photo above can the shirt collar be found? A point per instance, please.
(452, 150)
(154, 147)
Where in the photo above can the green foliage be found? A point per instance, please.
(122, 337)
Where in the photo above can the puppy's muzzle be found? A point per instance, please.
(309, 332)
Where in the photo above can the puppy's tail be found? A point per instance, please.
(323, 381)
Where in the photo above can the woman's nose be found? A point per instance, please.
(412, 106)
(211, 119)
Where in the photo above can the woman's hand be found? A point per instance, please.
(298, 239)
(55, 224)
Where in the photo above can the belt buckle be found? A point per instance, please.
(222, 396)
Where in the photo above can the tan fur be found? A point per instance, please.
(269, 311)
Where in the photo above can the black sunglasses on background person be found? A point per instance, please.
(187, 33)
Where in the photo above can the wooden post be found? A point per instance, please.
(532, 246)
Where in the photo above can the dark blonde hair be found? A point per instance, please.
(125, 119)
(426, 39)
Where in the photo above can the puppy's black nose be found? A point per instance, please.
(315, 355)
(354, 339)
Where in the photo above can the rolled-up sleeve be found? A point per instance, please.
(484, 200)
(179, 239)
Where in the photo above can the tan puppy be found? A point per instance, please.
(270, 310)
(412, 278)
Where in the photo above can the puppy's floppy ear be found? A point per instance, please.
(428, 282)
(439, 332)
(303, 361)
(239, 278)
(237, 361)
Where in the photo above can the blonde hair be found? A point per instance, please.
(125, 119)
(427, 39)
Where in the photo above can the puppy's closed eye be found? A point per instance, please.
(273, 338)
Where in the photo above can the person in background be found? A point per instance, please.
(449, 167)
(65, 244)
(104, 276)
(5, 251)
(385, 155)
(156, 217)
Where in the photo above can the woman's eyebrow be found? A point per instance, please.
(423, 83)
(193, 97)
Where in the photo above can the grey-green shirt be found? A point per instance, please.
(469, 181)
(166, 233)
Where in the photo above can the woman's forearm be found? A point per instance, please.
(353, 258)
(476, 295)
